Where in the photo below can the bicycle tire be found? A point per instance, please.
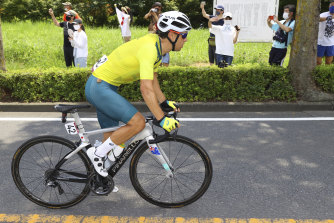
(35, 157)
(139, 166)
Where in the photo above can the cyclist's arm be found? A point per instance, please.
(150, 98)
(157, 90)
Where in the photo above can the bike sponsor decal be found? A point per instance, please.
(125, 156)
(154, 150)
(71, 128)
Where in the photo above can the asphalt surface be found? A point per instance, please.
(262, 169)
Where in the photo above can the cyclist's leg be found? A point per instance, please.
(111, 108)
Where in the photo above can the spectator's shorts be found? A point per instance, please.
(165, 59)
(110, 106)
(327, 51)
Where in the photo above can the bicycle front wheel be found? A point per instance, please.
(34, 173)
(191, 167)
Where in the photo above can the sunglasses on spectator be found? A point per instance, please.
(184, 35)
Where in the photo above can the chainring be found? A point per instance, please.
(100, 185)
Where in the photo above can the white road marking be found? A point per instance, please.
(32, 119)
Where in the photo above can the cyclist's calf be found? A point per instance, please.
(133, 127)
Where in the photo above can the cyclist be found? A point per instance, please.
(134, 60)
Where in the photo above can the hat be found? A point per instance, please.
(124, 9)
(219, 7)
(77, 21)
(67, 3)
(157, 4)
(227, 14)
(71, 13)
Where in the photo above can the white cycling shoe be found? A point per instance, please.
(97, 162)
(115, 152)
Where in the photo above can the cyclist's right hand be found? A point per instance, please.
(169, 124)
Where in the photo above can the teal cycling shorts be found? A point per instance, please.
(110, 106)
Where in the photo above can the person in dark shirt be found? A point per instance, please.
(68, 28)
(68, 7)
(220, 22)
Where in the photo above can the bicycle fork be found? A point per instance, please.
(155, 151)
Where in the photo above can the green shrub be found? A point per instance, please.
(324, 77)
(247, 82)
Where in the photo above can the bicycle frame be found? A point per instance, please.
(147, 133)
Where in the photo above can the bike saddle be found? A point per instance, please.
(69, 108)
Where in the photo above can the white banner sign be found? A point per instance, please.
(251, 16)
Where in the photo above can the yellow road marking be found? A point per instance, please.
(35, 218)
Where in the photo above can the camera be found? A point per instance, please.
(223, 64)
(280, 36)
(154, 10)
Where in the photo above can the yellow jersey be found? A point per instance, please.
(134, 60)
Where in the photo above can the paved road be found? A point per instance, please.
(278, 169)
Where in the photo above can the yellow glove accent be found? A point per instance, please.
(169, 124)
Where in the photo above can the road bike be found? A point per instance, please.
(167, 170)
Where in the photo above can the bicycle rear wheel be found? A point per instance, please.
(192, 173)
(33, 171)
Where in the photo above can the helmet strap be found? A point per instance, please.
(173, 43)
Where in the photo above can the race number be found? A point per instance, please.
(71, 128)
(100, 62)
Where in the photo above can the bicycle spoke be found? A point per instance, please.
(41, 166)
(163, 188)
(177, 155)
(184, 185)
(179, 167)
(41, 157)
(185, 160)
(48, 154)
(179, 189)
(190, 178)
(150, 164)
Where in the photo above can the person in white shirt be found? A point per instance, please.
(80, 44)
(326, 36)
(124, 20)
(226, 37)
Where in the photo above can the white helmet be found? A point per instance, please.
(173, 20)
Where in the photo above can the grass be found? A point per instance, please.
(33, 45)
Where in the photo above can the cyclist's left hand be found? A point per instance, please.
(168, 106)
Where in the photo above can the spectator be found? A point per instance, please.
(283, 35)
(67, 26)
(80, 44)
(326, 36)
(153, 15)
(68, 7)
(218, 22)
(226, 37)
(124, 20)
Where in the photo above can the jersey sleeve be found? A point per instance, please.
(62, 24)
(292, 25)
(147, 56)
(275, 27)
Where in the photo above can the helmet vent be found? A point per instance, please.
(178, 24)
(184, 20)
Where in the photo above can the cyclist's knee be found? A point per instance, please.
(137, 122)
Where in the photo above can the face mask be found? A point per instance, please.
(76, 27)
(228, 22)
(285, 15)
(66, 9)
(68, 18)
(331, 9)
(217, 13)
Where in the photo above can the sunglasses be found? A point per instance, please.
(184, 35)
